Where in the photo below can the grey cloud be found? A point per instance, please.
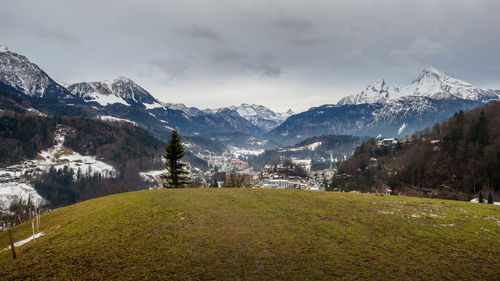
(203, 33)
(171, 68)
(295, 24)
(420, 48)
(57, 34)
(227, 55)
(264, 69)
(302, 31)
(263, 66)
(352, 58)
(260, 64)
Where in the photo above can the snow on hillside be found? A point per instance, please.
(237, 152)
(402, 128)
(14, 187)
(104, 99)
(476, 200)
(115, 119)
(59, 156)
(12, 191)
(153, 177)
(121, 90)
(312, 147)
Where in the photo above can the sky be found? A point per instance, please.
(281, 54)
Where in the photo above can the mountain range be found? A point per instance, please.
(388, 111)
(123, 98)
(379, 109)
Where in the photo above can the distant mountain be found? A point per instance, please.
(436, 84)
(261, 116)
(118, 98)
(377, 93)
(258, 115)
(389, 111)
(19, 73)
(431, 83)
(122, 90)
(190, 111)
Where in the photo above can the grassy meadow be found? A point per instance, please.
(259, 234)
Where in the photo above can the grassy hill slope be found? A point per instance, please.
(260, 234)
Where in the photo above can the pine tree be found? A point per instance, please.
(490, 199)
(481, 198)
(176, 170)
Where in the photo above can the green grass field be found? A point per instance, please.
(259, 234)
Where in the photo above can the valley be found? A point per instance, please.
(250, 140)
(235, 146)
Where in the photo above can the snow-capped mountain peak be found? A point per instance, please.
(431, 83)
(120, 90)
(21, 74)
(379, 92)
(261, 116)
(288, 113)
(437, 84)
(3, 48)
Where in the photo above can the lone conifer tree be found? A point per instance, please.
(481, 198)
(176, 170)
(490, 199)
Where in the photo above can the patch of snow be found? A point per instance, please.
(22, 242)
(153, 105)
(402, 128)
(115, 119)
(312, 147)
(153, 176)
(237, 152)
(106, 99)
(476, 200)
(449, 225)
(13, 191)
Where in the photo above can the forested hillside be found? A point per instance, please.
(127, 150)
(22, 137)
(456, 159)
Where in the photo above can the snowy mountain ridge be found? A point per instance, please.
(431, 83)
(377, 93)
(19, 73)
(259, 115)
(252, 110)
(121, 90)
(262, 116)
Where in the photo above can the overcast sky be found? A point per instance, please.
(282, 54)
